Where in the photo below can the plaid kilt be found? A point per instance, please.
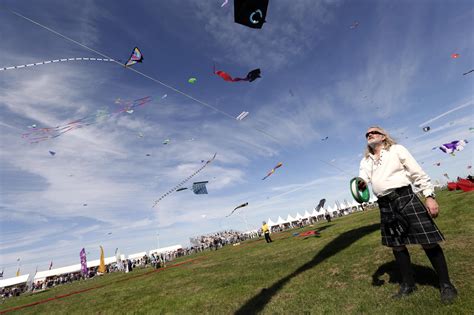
(421, 229)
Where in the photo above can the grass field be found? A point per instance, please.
(345, 271)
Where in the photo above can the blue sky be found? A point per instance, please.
(319, 78)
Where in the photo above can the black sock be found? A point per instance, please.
(436, 256)
(404, 263)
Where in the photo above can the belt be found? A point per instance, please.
(393, 195)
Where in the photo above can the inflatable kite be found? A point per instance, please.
(457, 145)
(175, 188)
(320, 204)
(360, 195)
(250, 13)
(135, 57)
(273, 170)
(251, 76)
(238, 207)
(427, 128)
(199, 188)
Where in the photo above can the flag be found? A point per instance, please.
(118, 260)
(102, 263)
(50, 265)
(83, 257)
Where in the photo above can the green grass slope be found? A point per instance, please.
(345, 271)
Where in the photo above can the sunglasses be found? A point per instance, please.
(373, 133)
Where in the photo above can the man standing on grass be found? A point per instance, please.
(266, 232)
(391, 170)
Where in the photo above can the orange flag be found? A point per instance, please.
(102, 263)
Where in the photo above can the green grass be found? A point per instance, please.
(345, 271)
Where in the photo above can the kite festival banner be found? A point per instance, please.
(82, 254)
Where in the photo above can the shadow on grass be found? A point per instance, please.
(423, 275)
(346, 239)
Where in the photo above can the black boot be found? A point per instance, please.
(408, 282)
(446, 288)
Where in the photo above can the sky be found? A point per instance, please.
(319, 78)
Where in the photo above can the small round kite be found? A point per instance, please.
(359, 195)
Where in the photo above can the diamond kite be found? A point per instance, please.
(457, 145)
(135, 57)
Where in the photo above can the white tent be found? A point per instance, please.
(271, 223)
(298, 216)
(306, 215)
(13, 281)
(290, 219)
(315, 213)
(165, 249)
(137, 255)
(280, 221)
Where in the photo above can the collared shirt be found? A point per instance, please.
(395, 168)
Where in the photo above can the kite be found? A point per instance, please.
(455, 56)
(135, 57)
(242, 115)
(32, 126)
(250, 13)
(251, 76)
(238, 207)
(320, 204)
(140, 135)
(469, 167)
(184, 181)
(225, 2)
(46, 133)
(56, 61)
(468, 72)
(324, 139)
(164, 96)
(166, 141)
(457, 145)
(433, 148)
(427, 128)
(311, 232)
(52, 153)
(437, 164)
(273, 170)
(471, 129)
(192, 80)
(199, 188)
(84, 205)
(182, 188)
(148, 154)
(354, 25)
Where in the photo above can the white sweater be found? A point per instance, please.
(395, 168)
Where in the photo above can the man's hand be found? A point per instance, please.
(432, 207)
(362, 185)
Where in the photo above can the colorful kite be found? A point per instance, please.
(427, 128)
(250, 13)
(238, 207)
(455, 56)
(184, 181)
(273, 170)
(251, 76)
(135, 57)
(457, 145)
(47, 133)
(242, 115)
(56, 61)
(192, 80)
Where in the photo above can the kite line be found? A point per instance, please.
(138, 72)
(56, 61)
(184, 181)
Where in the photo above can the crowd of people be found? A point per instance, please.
(215, 241)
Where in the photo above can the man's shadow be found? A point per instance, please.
(423, 275)
(258, 302)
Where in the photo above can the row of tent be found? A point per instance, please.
(42, 275)
(322, 211)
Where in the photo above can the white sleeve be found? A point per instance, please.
(363, 171)
(419, 178)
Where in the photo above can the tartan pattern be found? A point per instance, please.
(422, 228)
